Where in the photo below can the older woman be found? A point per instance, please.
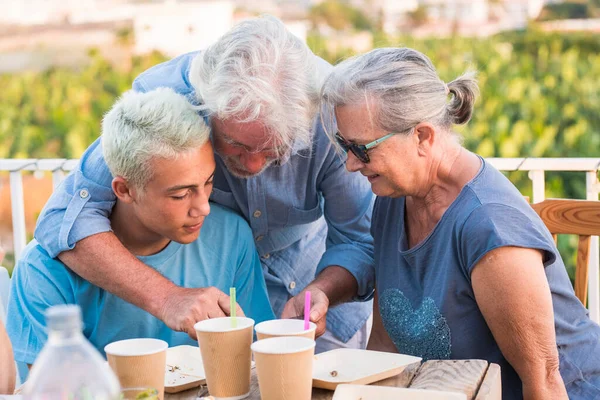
(464, 267)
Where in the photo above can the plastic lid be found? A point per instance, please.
(64, 317)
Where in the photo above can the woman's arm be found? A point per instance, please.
(379, 339)
(512, 292)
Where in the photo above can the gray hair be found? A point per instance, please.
(404, 87)
(260, 71)
(143, 126)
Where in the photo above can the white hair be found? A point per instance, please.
(143, 126)
(404, 87)
(260, 71)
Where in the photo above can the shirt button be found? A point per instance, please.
(267, 255)
(257, 214)
(83, 193)
(259, 238)
(292, 285)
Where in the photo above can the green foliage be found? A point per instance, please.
(574, 9)
(9, 262)
(339, 16)
(57, 113)
(125, 36)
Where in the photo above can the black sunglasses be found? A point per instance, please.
(360, 150)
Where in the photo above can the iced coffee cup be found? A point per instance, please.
(225, 347)
(139, 363)
(284, 367)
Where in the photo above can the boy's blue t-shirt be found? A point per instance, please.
(223, 256)
(426, 299)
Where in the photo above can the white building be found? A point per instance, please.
(44, 12)
(258, 6)
(394, 13)
(460, 11)
(298, 28)
(175, 28)
(514, 14)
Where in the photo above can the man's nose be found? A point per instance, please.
(253, 162)
(200, 206)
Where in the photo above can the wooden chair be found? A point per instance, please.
(575, 217)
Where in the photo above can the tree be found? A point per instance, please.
(418, 16)
(125, 39)
(574, 9)
(339, 16)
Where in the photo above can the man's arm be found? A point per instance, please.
(512, 292)
(102, 260)
(346, 270)
(333, 286)
(347, 209)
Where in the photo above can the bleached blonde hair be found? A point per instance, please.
(260, 71)
(143, 126)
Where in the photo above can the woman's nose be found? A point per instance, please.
(353, 164)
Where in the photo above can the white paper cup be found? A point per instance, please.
(284, 327)
(226, 356)
(139, 363)
(284, 366)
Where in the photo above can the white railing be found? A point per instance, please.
(535, 166)
(15, 167)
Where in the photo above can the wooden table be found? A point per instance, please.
(476, 378)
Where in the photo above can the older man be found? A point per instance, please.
(258, 88)
(157, 148)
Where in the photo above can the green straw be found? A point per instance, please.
(232, 307)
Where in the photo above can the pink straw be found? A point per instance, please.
(306, 310)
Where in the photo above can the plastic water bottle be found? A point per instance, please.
(69, 367)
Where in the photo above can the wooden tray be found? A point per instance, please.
(184, 369)
(355, 366)
(362, 392)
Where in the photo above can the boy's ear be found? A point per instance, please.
(122, 189)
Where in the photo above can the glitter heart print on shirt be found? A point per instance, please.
(422, 332)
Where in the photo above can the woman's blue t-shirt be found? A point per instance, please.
(426, 299)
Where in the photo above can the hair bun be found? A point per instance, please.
(464, 90)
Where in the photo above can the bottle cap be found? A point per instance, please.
(64, 317)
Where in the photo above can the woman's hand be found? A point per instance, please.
(512, 292)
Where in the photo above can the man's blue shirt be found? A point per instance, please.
(223, 256)
(306, 214)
